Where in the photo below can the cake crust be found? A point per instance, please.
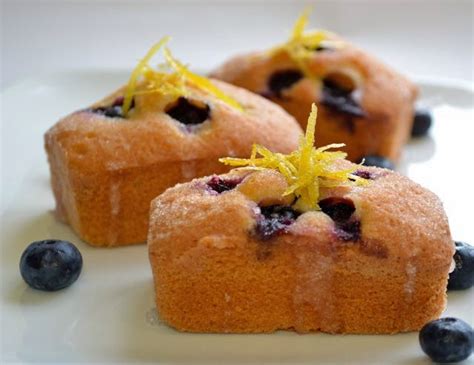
(106, 171)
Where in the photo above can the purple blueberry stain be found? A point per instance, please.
(340, 99)
(364, 174)
(274, 220)
(119, 101)
(341, 210)
(348, 231)
(219, 185)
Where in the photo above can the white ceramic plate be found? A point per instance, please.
(108, 316)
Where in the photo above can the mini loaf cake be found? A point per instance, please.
(110, 160)
(362, 102)
(304, 242)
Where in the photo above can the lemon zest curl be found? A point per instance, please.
(199, 81)
(306, 170)
(171, 78)
(302, 44)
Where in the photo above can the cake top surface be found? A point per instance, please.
(307, 169)
(391, 219)
(315, 56)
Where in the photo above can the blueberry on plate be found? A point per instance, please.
(421, 123)
(462, 276)
(447, 340)
(50, 265)
(378, 161)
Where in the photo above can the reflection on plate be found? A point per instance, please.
(108, 314)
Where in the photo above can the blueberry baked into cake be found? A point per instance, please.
(168, 125)
(362, 102)
(305, 241)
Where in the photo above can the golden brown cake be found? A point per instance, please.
(110, 160)
(362, 102)
(248, 252)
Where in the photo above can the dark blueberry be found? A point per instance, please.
(109, 111)
(341, 210)
(323, 48)
(188, 113)
(348, 231)
(364, 174)
(320, 48)
(114, 110)
(50, 264)
(378, 161)
(463, 275)
(340, 99)
(220, 185)
(421, 123)
(283, 79)
(274, 220)
(447, 340)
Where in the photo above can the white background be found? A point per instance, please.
(422, 38)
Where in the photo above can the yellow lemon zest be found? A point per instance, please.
(161, 82)
(199, 81)
(306, 170)
(301, 45)
(170, 78)
(137, 71)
